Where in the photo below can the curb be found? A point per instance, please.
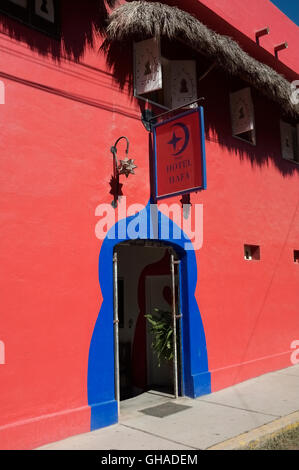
(254, 438)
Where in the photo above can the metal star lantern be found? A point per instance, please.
(126, 167)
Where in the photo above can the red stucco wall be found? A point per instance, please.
(58, 123)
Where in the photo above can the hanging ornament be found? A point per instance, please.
(186, 205)
(126, 167)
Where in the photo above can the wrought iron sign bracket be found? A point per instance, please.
(123, 167)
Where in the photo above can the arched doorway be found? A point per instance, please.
(147, 288)
(195, 376)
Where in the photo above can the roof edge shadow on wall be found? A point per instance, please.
(214, 21)
(138, 20)
(249, 45)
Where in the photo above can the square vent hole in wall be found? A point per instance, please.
(296, 256)
(252, 252)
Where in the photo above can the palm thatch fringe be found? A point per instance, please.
(143, 19)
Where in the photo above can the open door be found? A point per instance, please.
(158, 296)
(116, 329)
(145, 278)
(176, 317)
(162, 292)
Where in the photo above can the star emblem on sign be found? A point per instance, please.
(126, 167)
(174, 141)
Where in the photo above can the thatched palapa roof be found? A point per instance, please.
(147, 19)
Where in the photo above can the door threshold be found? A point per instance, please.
(132, 407)
(161, 393)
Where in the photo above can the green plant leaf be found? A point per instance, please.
(162, 334)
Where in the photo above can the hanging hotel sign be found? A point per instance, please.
(147, 66)
(179, 153)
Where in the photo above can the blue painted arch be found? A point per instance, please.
(195, 374)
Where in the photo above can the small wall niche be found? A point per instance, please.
(296, 256)
(252, 252)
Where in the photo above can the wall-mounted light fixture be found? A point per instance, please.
(280, 47)
(260, 33)
(186, 205)
(124, 167)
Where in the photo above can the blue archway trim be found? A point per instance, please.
(100, 380)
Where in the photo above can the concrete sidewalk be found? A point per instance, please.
(226, 419)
